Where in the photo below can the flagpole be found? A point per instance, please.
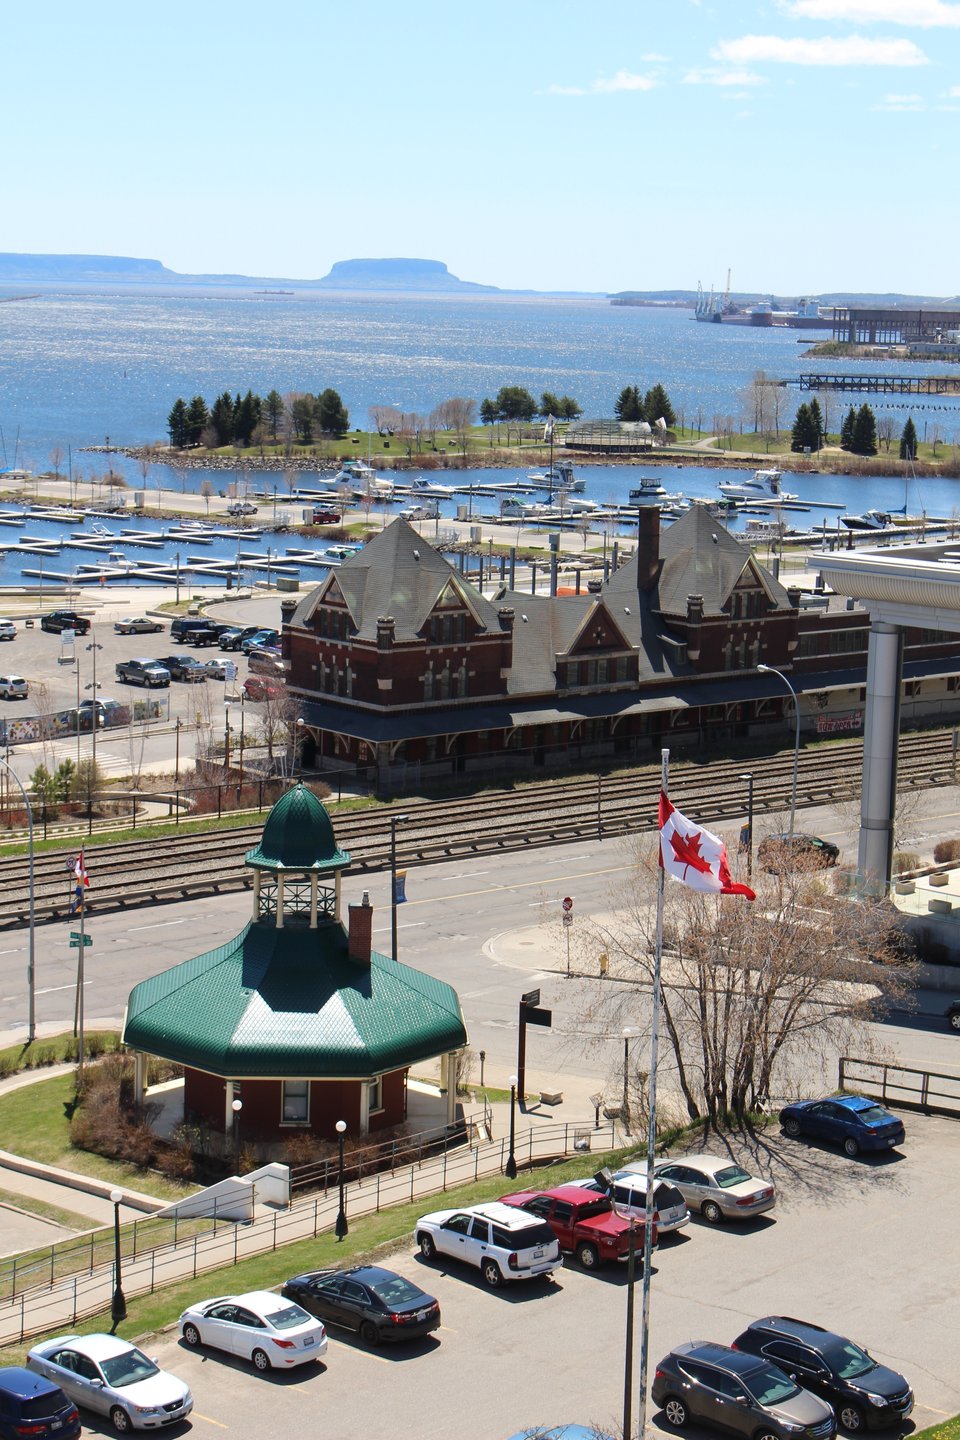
(83, 944)
(652, 1127)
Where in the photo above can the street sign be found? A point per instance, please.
(532, 997)
(567, 920)
(538, 1017)
(567, 903)
(75, 942)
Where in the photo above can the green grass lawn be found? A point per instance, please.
(69, 1219)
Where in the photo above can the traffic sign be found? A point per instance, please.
(567, 920)
(532, 997)
(76, 939)
(538, 1017)
(568, 903)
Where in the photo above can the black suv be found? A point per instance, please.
(233, 637)
(59, 620)
(32, 1405)
(865, 1395)
(717, 1386)
(183, 667)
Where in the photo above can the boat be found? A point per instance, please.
(353, 472)
(558, 476)
(649, 489)
(568, 504)
(763, 484)
(436, 491)
(869, 520)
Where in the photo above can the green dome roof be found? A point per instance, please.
(298, 836)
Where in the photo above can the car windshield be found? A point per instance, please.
(396, 1291)
(287, 1318)
(873, 1115)
(847, 1360)
(730, 1175)
(770, 1387)
(127, 1369)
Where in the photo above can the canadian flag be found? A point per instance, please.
(695, 856)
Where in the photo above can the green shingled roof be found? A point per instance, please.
(283, 1004)
(298, 836)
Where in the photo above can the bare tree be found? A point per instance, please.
(56, 460)
(206, 490)
(886, 429)
(385, 419)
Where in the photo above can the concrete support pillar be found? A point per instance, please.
(336, 897)
(313, 901)
(364, 1108)
(878, 799)
(256, 895)
(229, 1118)
(139, 1078)
(279, 899)
(451, 1069)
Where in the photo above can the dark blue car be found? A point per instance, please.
(848, 1120)
(31, 1405)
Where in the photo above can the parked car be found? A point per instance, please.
(220, 669)
(628, 1191)
(13, 687)
(56, 621)
(783, 852)
(326, 517)
(33, 1406)
(8, 631)
(138, 625)
(234, 635)
(259, 1326)
(864, 1394)
(241, 507)
(258, 639)
(848, 1120)
(717, 1386)
(584, 1223)
(143, 672)
(714, 1187)
(379, 1304)
(189, 630)
(261, 687)
(112, 1377)
(265, 661)
(953, 1016)
(184, 667)
(502, 1241)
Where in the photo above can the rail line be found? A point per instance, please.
(127, 874)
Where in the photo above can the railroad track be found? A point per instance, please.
(131, 873)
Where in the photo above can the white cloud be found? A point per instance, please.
(924, 13)
(616, 84)
(654, 59)
(708, 76)
(899, 103)
(954, 92)
(852, 50)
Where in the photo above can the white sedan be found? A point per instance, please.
(111, 1376)
(262, 1327)
(137, 625)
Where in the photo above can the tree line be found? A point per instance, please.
(858, 432)
(655, 405)
(256, 420)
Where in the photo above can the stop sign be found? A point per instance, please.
(567, 903)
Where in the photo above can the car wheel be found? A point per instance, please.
(711, 1212)
(851, 1419)
(120, 1420)
(369, 1333)
(675, 1412)
(427, 1247)
(955, 1020)
(492, 1274)
(191, 1335)
(261, 1360)
(791, 1127)
(767, 1435)
(850, 1147)
(588, 1255)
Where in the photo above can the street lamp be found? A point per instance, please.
(31, 972)
(118, 1304)
(749, 779)
(298, 727)
(771, 670)
(226, 734)
(341, 1226)
(628, 1034)
(178, 726)
(236, 1106)
(92, 649)
(510, 1169)
(395, 820)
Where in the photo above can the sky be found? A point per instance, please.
(805, 145)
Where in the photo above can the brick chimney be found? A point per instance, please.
(648, 548)
(360, 934)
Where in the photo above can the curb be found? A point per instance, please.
(86, 1183)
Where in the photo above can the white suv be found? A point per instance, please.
(8, 631)
(502, 1242)
(13, 687)
(628, 1191)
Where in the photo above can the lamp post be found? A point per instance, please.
(341, 1226)
(93, 687)
(118, 1304)
(510, 1169)
(178, 726)
(243, 696)
(771, 670)
(749, 779)
(236, 1106)
(395, 820)
(31, 972)
(298, 727)
(226, 734)
(628, 1034)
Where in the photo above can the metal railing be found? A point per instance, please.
(931, 1091)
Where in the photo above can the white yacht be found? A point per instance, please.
(869, 520)
(763, 485)
(649, 490)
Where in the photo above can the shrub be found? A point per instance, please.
(946, 850)
(905, 860)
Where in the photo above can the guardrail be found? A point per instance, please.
(49, 1307)
(930, 1091)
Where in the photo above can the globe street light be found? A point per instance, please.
(771, 670)
(118, 1304)
(395, 820)
(236, 1106)
(31, 969)
(341, 1226)
(510, 1169)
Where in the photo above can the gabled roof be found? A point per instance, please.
(298, 836)
(397, 573)
(284, 1004)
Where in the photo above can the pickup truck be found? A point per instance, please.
(143, 672)
(584, 1223)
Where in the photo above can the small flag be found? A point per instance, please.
(83, 883)
(695, 856)
(399, 889)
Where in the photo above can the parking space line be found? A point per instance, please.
(210, 1421)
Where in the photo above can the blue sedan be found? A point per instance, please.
(851, 1121)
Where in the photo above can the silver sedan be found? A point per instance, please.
(112, 1377)
(716, 1188)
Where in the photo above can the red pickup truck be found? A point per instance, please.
(583, 1222)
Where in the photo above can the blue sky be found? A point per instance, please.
(809, 145)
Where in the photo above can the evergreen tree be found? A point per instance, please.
(488, 412)
(332, 415)
(246, 417)
(303, 413)
(515, 403)
(865, 432)
(274, 411)
(816, 415)
(656, 406)
(629, 405)
(221, 418)
(549, 405)
(569, 409)
(804, 435)
(847, 429)
(908, 441)
(198, 418)
(177, 424)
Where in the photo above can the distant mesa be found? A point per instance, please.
(39, 268)
(397, 275)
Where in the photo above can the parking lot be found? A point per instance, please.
(865, 1247)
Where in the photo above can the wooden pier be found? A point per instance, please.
(884, 384)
